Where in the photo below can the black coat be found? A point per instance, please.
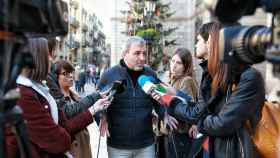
(130, 113)
(205, 84)
(224, 121)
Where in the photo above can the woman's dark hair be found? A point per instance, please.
(52, 43)
(186, 57)
(204, 30)
(38, 47)
(218, 71)
(63, 65)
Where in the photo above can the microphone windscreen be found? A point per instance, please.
(160, 88)
(119, 86)
(152, 79)
(143, 79)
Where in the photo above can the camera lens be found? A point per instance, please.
(242, 44)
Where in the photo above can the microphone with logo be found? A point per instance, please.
(111, 90)
(147, 85)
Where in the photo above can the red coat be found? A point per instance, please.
(47, 139)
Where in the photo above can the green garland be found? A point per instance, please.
(149, 34)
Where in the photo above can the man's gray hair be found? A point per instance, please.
(134, 40)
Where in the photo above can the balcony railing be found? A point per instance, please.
(91, 33)
(73, 44)
(74, 22)
(74, 4)
(85, 44)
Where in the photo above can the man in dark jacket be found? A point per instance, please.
(70, 109)
(202, 48)
(130, 114)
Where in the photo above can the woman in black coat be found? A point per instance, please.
(237, 95)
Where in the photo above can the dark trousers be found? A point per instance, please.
(168, 146)
(179, 144)
(160, 147)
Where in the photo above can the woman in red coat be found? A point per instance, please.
(48, 129)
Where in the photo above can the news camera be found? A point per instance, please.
(20, 20)
(247, 44)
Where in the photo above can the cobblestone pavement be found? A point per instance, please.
(94, 133)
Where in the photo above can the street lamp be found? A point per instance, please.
(149, 10)
(150, 7)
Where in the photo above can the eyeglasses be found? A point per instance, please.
(67, 74)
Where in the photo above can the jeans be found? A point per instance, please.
(147, 152)
(77, 86)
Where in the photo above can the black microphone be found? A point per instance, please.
(115, 88)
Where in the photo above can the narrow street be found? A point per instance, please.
(94, 132)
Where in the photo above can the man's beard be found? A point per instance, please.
(138, 68)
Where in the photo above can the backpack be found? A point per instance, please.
(266, 135)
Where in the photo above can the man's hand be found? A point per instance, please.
(170, 121)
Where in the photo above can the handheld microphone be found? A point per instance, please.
(159, 87)
(114, 88)
(148, 82)
(149, 87)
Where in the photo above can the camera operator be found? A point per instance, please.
(49, 130)
(224, 115)
(70, 109)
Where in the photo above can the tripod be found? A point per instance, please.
(10, 114)
(13, 117)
